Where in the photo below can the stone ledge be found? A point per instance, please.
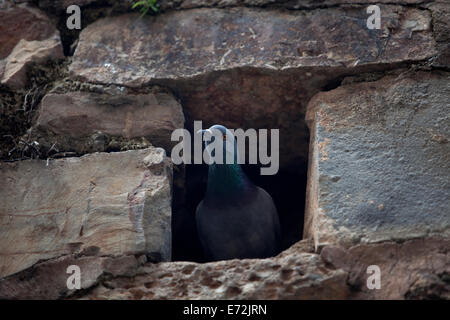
(182, 45)
(414, 269)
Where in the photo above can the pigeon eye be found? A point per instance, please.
(224, 137)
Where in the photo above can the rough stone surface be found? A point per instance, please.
(62, 5)
(165, 5)
(24, 54)
(182, 45)
(441, 30)
(123, 6)
(415, 269)
(294, 274)
(117, 203)
(22, 22)
(249, 67)
(48, 279)
(379, 149)
(26, 36)
(379, 160)
(71, 119)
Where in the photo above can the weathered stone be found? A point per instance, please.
(248, 67)
(48, 280)
(26, 36)
(24, 54)
(294, 274)
(379, 161)
(72, 119)
(62, 5)
(442, 60)
(441, 30)
(441, 15)
(165, 5)
(118, 202)
(182, 45)
(415, 269)
(22, 22)
(288, 4)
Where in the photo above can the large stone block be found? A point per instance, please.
(26, 36)
(26, 53)
(185, 44)
(71, 119)
(112, 203)
(288, 4)
(22, 22)
(379, 160)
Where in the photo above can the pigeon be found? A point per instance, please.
(236, 219)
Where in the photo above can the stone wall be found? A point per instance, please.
(85, 123)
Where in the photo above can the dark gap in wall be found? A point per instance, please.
(287, 188)
(89, 13)
(69, 38)
(333, 84)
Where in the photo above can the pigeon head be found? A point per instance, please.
(225, 178)
(228, 154)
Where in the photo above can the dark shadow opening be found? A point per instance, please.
(287, 188)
